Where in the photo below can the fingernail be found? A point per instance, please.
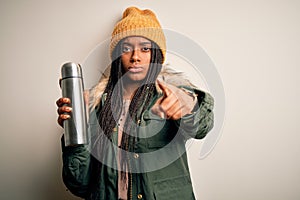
(162, 115)
(67, 116)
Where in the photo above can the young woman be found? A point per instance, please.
(139, 124)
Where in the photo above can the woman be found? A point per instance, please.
(138, 124)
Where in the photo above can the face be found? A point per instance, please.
(136, 56)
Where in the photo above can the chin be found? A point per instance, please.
(136, 77)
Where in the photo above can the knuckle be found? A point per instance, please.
(63, 116)
(66, 100)
(66, 109)
(176, 116)
(155, 107)
(58, 102)
(163, 107)
(169, 113)
(59, 121)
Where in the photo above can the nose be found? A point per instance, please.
(135, 56)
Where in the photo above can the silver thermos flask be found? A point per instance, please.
(72, 87)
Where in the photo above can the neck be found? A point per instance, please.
(129, 89)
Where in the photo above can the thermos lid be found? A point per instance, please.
(71, 69)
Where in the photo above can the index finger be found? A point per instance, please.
(61, 101)
(164, 88)
(156, 109)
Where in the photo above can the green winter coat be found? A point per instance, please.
(158, 162)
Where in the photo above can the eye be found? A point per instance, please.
(145, 49)
(126, 49)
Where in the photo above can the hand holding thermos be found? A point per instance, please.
(71, 107)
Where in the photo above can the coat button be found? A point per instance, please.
(139, 196)
(136, 155)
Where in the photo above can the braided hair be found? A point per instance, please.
(110, 111)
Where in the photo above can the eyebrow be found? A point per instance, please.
(141, 43)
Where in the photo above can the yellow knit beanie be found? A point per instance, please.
(136, 22)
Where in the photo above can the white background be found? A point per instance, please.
(254, 45)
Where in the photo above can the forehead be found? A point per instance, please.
(136, 40)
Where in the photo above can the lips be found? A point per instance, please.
(135, 69)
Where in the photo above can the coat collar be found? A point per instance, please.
(167, 75)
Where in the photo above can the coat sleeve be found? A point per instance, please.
(76, 168)
(201, 121)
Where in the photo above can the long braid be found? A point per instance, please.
(107, 117)
(110, 112)
(139, 103)
(111, 109)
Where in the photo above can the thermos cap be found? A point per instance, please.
(71, 69)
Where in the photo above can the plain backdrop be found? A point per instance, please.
(254, 45)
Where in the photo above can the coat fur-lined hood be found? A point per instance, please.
(167, 75)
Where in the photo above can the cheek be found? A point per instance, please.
(147, 61)
(147, 58)
(123, 59)
(125, 62)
